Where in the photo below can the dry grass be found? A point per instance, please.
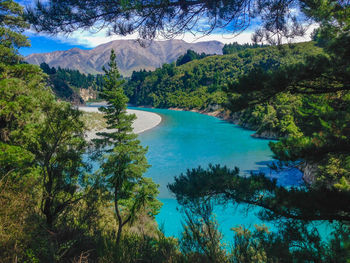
(94, 121)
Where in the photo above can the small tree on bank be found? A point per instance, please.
(124, 161)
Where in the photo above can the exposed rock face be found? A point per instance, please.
(130, 55)
(87, 94)
(309, 171)
(270, 135)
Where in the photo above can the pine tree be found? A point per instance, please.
(12, 25)
(125, 161)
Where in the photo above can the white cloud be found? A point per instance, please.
(245, 37)
(92, 39)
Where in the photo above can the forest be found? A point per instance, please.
(202, 84)
(55, 208)
(66, 83)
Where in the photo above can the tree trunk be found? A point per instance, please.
(120, 220)
(119, 232)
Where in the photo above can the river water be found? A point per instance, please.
(185, 140)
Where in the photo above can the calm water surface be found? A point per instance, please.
(186, 140)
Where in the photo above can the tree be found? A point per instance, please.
(201, 83)
(293, 209)
(125, 161)
(321, 143)
(58, 148)
(41, 145)
(322, 83)
(22, 96)
(169, 19)
(189, 56)
(201, 240)
(12, 25)
(278, 202)
(323, 137)
(235, 47)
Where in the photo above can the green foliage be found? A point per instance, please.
(295, 242)
(318, 120)
(12, 25)
(278, 20)
(221, 183)
(235, 47)
(42, 143)
(125, 162)
(201, 83)
(322, 80)
(313, 94)
(66, 82)
(297, 238)
(201, 240)
(58, 149)
(22, 96)
(51, 208)
(134, 247)
(189, 56)
(248, 245)
(276, 118)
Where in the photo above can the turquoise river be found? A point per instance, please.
(186, 140)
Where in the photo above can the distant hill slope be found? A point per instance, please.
(200, 83)
(130, 55)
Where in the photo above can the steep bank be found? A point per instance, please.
(228, 116)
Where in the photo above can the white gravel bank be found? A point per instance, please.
(144, 121)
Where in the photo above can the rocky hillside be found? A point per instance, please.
(130, 55)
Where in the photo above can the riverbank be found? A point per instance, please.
(144, 121)
(232, 118)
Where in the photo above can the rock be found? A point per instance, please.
(309, 170)
(87, 94)
(270, 135)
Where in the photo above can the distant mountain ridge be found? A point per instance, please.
(130, 55)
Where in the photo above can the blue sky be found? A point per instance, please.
(41, 43)
(44, 43)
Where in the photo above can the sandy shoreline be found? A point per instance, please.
(144, 121)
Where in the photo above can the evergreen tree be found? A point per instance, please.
(125, 161)
(235, 47)
(12, 25)
(189, 56)
(171, 18)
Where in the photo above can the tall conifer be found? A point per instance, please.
(125, 162)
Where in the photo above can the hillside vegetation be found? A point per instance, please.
(201, 84)
(66, 83)
(55, 206)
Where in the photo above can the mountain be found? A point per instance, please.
(130, 55)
